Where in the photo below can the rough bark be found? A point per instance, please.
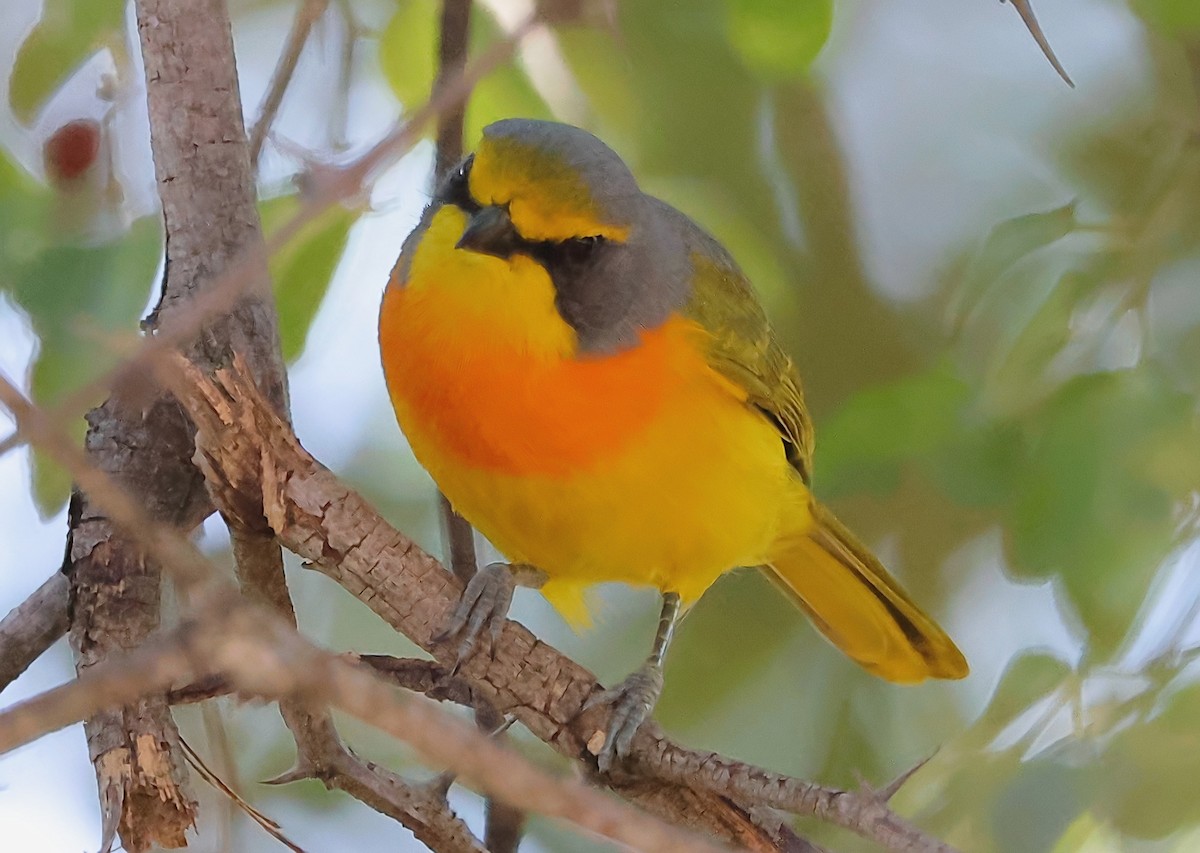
(32, 627)
(142, 438)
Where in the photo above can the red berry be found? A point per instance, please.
(71, 150)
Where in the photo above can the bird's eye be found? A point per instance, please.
(579, 248)
(456, 187)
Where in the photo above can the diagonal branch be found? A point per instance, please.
(321, 754)
(33, 626)
(263, 656)
(307, 15)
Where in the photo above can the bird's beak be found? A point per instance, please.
(490, 232)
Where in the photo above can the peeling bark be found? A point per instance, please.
(144, 439)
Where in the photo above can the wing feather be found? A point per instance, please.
(743, 346)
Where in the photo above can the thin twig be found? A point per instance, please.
(236, 801)
(307, 15)
(866, 813)
(339, 119)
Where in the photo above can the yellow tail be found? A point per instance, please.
(859, 607)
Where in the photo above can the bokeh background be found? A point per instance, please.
(990, 281)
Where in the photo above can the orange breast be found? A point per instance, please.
(462, 390)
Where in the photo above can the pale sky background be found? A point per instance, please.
(915, 88)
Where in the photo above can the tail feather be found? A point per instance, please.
(859, 607)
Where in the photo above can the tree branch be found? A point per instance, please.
(33, 626)
(453, 41)
(321, 754)
(247, 454)
(143, 440)
(262, 656)
(307, 15)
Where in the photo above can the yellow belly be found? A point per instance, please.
(700, 490)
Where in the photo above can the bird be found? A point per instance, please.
(592, 382)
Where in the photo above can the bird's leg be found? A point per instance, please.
(634, 698)
(484, 605)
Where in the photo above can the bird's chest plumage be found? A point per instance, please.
(470, 399)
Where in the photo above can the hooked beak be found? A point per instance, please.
(490, 232)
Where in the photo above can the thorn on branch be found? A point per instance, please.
(888, 791)
(300, 772)
(1025, 10)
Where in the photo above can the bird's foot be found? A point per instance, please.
(483, 608)
(631, 701)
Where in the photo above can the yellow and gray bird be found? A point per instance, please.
(590, 379)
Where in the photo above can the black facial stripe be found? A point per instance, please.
(567, 255)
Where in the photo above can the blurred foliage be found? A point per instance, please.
(1043, 396)
(78, 295)
(302, 270)
(68, 32)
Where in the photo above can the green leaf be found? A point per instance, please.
(779, 39)
(76, 297)
(978, 465)
(1009, 242)
(303, 269)
(1039, 805)
(1027, 678)
(1141, 171)
(67, 34)
(1016, 377)
(1149, 771)
(408, 51)
(865, 442)
(1090, 508)
(603, 71)
(24, 209)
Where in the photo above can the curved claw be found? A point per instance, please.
(484, 605)
(632, 701)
